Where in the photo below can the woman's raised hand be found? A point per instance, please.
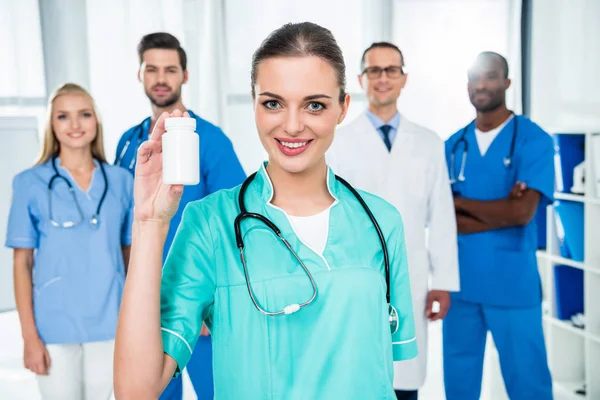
(155, 201)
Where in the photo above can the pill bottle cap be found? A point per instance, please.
(179, 123)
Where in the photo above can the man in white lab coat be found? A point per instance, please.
(386, 154)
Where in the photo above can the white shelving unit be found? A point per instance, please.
(574, 353)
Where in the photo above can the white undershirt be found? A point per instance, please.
(485, 139)
(312, 230)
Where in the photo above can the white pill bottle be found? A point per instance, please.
(181, 152)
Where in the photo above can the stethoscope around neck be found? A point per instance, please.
(94, 219)
(292, 308)
(136, 134)
(462, 139)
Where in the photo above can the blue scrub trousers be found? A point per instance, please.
(519, 338)
(199, 368)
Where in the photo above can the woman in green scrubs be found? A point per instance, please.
(304, 318)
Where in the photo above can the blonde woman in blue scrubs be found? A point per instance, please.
(70, 228)
(308, 318)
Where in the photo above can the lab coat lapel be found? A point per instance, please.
(370, 137)
(375, 142)
(403, 145)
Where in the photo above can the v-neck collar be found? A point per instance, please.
(65, 172)
(261, 192)
(504, 127)
(265, 185)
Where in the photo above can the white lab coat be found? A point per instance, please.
(414, 178)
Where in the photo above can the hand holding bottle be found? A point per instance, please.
(155, 201)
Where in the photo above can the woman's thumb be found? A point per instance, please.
(47, 358)
(176, 190)
(174, 193)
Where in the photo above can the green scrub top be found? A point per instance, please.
(338, 347)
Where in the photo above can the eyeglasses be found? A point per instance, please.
(393, 71)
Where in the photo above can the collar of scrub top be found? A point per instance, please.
(262, 184)
(378, 123)
(260, 191)
(467, 135)
(55, 166)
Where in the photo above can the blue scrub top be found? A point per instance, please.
(499, 267)
(78, 272)
(219, 165)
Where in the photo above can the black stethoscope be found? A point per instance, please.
(94, 221)
(292, 308)
(137, 133)
(461, 172)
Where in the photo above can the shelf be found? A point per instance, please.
(579, 130)
(593, 338)
(582, 130)
(564, 261)
(577, 197)
(566, 390)
(566, 326)
(573, 353)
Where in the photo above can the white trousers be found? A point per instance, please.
(79, 372)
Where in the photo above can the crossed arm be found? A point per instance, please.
(478, 216)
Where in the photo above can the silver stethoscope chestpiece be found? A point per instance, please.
(94, 221)
(394, 323)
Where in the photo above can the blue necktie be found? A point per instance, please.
(385, 129)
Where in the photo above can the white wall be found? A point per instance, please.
(565, 73)
(15, 133)
(21, 58)
(440, 39)
(115, 28)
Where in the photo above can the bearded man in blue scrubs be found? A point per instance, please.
(163, 71)
(501, 169)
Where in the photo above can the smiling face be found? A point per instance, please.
(487, 83)
(384, 90)
(297, 109)
(162, 76)
(73, 121)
